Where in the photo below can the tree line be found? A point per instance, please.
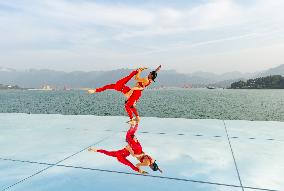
(268, 82)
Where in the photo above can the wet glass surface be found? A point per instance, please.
(47, 138)
(59, 178)
(259, 160)
(193, 154)
(12, 172)
(177, 156)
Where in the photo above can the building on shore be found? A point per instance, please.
(45, 87)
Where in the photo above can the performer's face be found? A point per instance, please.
(150, 76)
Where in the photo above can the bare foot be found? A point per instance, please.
(92, 91)
(131, 121)
(92, 149)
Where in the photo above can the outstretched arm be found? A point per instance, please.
(137, 76)
(144, 163)
(159, 67)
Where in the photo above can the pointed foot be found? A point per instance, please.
(91, 91)
(92, 149)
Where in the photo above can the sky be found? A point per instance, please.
(185, 35)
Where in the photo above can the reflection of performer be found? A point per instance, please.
(135, 149)
(120, 156)
(132, 94)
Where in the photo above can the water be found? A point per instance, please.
(174, 103)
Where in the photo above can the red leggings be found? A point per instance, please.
(120, 86)
(120, 156)
(129, 104)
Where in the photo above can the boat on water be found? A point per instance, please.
(211, 87)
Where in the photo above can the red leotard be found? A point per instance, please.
(132, 99)
(120, 85)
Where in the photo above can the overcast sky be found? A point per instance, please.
(188, 35)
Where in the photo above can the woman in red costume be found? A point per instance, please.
(132, 94)
(135, 149)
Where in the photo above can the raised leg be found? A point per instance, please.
(108, 153)
(106, 87)
(121, 83)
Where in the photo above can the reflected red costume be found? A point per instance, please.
(120, 156)
(135, 145)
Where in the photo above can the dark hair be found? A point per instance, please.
(154, 75)
(155, 167)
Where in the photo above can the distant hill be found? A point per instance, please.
(279, 70)
(225, 80)
(36, 78)
(223, 77)
(225, 83)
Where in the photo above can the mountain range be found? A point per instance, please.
(33, 78)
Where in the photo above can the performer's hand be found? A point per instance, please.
(141, 69)
(159, 67)
(143, 172)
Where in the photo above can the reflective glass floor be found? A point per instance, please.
(50, 152)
